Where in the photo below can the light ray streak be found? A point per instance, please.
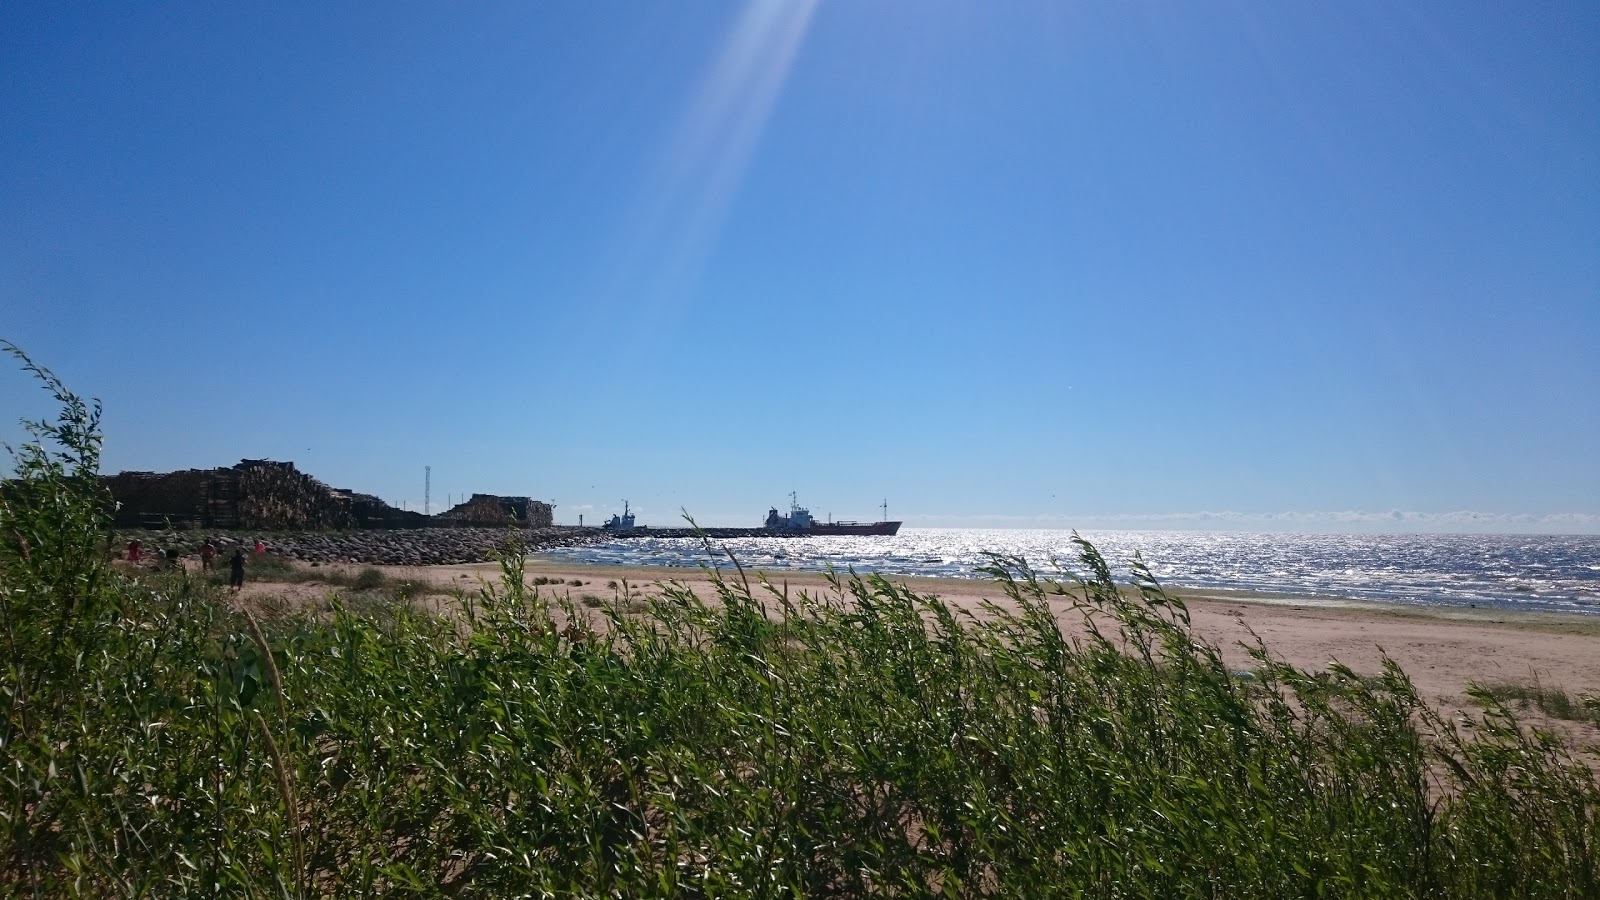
(667, 240)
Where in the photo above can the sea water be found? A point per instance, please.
(1559, 573)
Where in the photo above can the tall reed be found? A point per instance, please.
(862, 740)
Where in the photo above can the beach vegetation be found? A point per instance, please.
(272, 568)
(368, 579)
(863, 740)
(1552, 700)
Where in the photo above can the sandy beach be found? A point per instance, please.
(1443, 650)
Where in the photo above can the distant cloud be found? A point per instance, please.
(1337, 520)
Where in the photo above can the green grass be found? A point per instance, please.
(866, 740)
(274, 569)
(1552, 701)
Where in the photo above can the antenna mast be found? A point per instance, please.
(885, 511)
(427, 490)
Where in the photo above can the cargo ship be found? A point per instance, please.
(799, 522)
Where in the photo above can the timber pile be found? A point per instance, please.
(483, 510)
(149, 498)
(256, 493)
(533, 513)
(489, 510)
(277, 495)
(268, 495)
(371, 512)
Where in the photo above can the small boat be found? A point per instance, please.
(799, 523)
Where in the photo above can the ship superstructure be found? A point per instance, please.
(623, 522)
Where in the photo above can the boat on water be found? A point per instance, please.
(799, 522)
(623, 522)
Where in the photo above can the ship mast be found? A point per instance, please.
(885, 511)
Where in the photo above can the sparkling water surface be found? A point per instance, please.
(1559, 573)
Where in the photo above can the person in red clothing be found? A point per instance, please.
(134, 551)
(260, 547)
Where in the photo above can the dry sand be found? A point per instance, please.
(1443, 650)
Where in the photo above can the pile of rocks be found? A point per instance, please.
(388, 547)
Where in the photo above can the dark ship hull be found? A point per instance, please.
(843, 528)
(798, 523)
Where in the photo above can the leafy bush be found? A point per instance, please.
(368, 579)
(868, 740)
(269, 566)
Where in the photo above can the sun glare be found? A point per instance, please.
(666, 241)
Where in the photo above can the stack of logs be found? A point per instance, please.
(277, 495)
(371, 512)
(491, 510)
(268, 495)
(256, 493)
(148, 498)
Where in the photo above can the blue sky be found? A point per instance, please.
(1230, 265)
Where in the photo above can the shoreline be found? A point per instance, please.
(570, 545)
(1566, 622)
(1442, 650)
(1459, 571)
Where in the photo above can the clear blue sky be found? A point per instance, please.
(1241, 264)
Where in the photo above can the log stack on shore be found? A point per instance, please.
(150, 498)
(385, 547)
(263, 494)
(493, 510)
(277, 495)
(255, 493)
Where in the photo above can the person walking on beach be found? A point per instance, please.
(236, 567)
(208, 553)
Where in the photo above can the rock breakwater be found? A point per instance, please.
(387, 547)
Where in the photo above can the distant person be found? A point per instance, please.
(236, 570)
(134, 551)
(260, 547)
(208, 553)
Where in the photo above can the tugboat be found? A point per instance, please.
(623, 522)
(800, 524)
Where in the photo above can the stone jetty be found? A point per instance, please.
(386, 547)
